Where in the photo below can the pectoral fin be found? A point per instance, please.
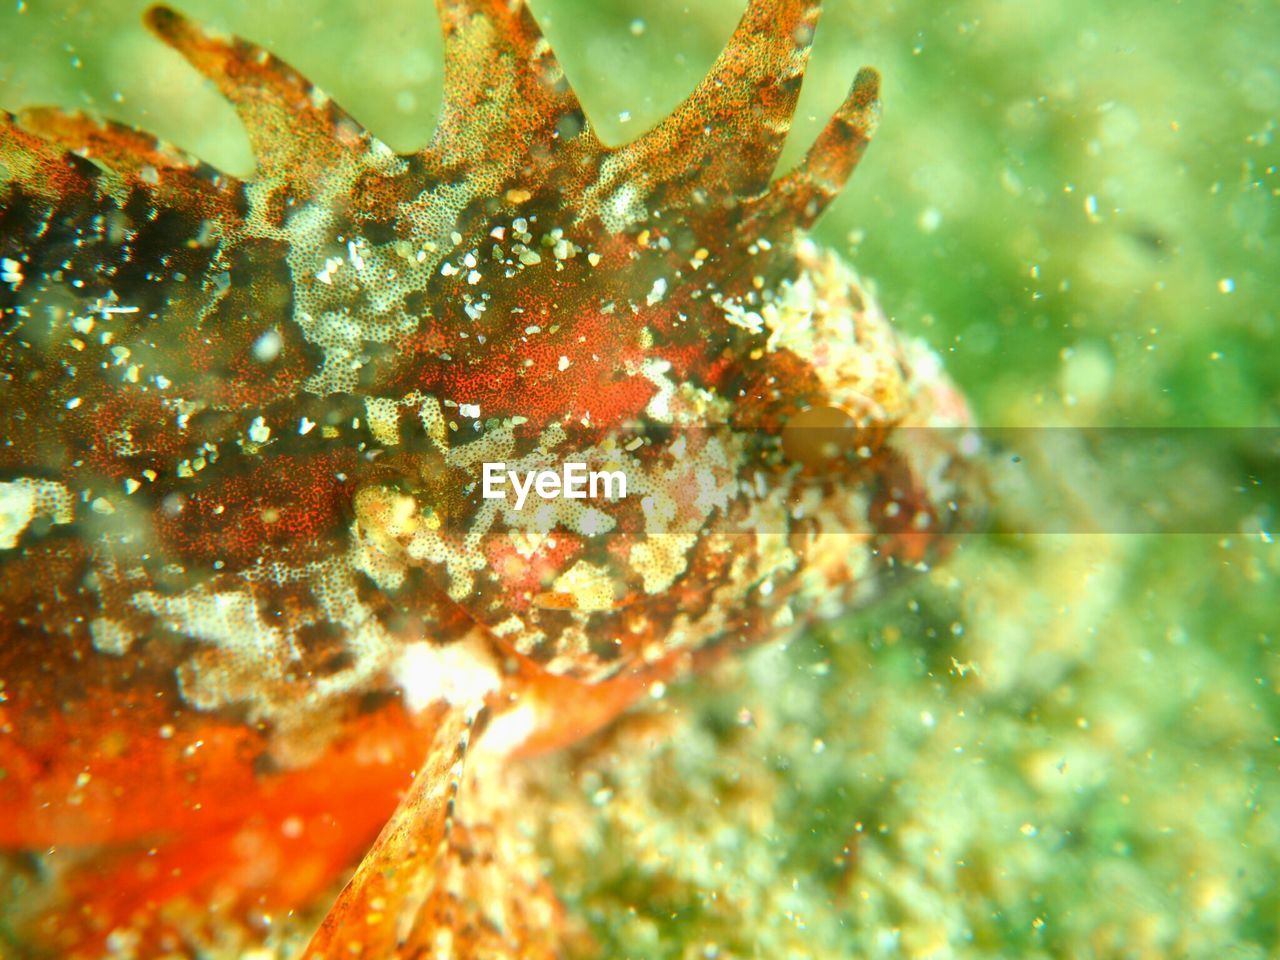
(445, 878)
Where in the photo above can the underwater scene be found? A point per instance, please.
(610, 479)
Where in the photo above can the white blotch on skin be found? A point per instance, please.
(458, 673)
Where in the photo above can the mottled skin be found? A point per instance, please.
(248, 579)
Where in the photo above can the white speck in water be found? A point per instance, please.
(267, 347)
(259, 432)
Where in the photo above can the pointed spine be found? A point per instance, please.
(119, 146)
(726, 137)
(140, 160)
(504, 90)
(286, 117)
(796, 200)
(41, 168)
(378, 909)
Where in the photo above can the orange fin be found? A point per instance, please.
(44, 169)
(800, 197)
(286, 117)
(440, 875)
(118, 146)
(58, 153)
(504, 90)
(726, 137)
(378, 907)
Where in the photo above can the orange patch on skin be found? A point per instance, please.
(286, 502)
(182, 815)
(525, 576)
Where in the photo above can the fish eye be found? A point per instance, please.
(827, 437)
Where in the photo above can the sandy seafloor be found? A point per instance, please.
(1058, 745)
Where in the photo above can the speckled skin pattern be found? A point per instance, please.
(249, 582)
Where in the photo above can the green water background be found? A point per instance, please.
(1051, 746)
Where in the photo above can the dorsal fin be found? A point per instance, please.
(725, 138)
(288, 119)
(121, 147)
(43, 168)
(142, 161)
(504, 90)
(797, 199)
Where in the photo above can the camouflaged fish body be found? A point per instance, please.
(245, 423)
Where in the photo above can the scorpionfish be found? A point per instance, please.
(261, 624)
